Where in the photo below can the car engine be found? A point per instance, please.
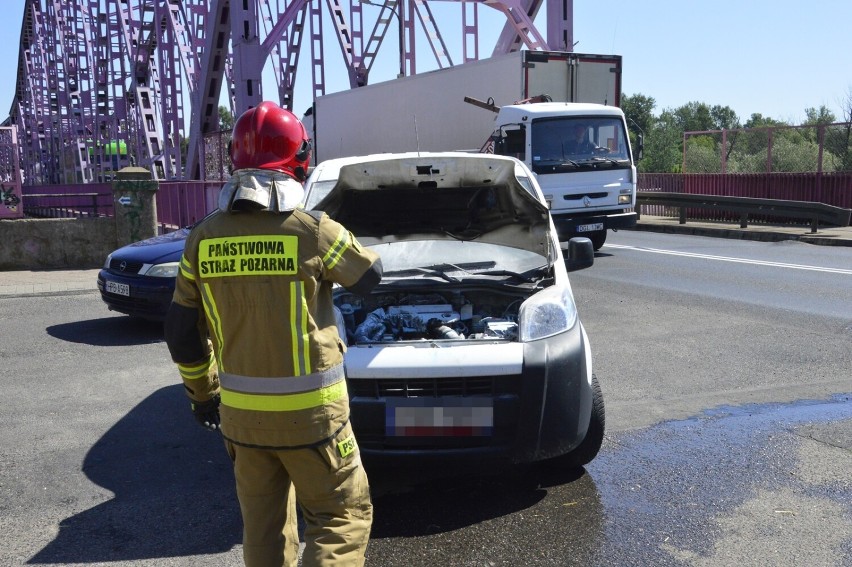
(471, 314)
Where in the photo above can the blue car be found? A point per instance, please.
(139, 279)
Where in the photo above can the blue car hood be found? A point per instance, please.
(157, 250)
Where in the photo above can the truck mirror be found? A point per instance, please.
(499, 145)
(641, 149)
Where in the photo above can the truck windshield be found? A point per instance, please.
(579, 141)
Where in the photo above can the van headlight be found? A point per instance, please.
(167, 270)
(547, 313)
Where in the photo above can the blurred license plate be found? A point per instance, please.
(590, 227)
(439, 417)
(118, 288)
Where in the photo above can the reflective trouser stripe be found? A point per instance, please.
(281, 384)
(197, 371)
(285, 402)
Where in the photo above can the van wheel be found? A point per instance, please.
(591, 444)
(598, 238)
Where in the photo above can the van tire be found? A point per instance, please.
(588, 449)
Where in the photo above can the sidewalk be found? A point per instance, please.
(48, 282)
(56, 282)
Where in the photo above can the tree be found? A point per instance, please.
(757, 120)
(818, 116)
(702, 155)
(663, 145)
(724, 118)
(226, 119)
(747, 146)
(639, 110)
(838, 140)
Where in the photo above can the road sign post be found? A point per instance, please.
(134, 196)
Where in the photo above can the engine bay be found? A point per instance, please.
(411, 315)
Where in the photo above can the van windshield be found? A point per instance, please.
(316, 191)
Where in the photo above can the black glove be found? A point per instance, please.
(207, 413)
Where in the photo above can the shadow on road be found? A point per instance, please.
(173, 490)
(513, 516)
(417, 501)
(109, 331)
(174, 496)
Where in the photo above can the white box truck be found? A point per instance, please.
(590, 187)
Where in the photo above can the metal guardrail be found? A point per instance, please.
(746, 206)
(64, 205)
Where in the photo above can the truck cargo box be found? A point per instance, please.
(427, 111)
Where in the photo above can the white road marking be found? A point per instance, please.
(731, 259)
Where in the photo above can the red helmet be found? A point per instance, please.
(270, 137)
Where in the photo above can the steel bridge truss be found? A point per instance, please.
(103, 84)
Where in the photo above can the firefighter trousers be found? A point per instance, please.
(331, 489)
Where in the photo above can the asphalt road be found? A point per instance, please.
(725, 370)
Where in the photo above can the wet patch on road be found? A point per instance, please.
(764, 484)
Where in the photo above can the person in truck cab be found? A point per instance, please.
(579, 143)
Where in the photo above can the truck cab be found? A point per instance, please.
(582, 158)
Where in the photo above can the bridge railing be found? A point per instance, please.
(747, 207)
(58, 201)
(182, 203)
(833, 189)
(179, 203)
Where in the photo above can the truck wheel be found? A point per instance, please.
(591, 444)
(598, 238)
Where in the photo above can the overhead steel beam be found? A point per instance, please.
(106, 83)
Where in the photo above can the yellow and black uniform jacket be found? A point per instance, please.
(258, 284)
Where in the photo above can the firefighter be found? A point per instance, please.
(256, 278)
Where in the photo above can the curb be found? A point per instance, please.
(744, 234)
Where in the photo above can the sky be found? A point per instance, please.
(773, 57)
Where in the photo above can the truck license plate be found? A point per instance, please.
(436, 417)
(590, 227)
(118, 288)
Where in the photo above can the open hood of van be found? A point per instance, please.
(440, 196)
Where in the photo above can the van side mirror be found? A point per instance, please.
(581, 254)
(640, 140)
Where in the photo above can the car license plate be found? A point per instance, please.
(439, 417)
(590, 227)
(118, 288)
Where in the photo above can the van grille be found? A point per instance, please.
(433, 387)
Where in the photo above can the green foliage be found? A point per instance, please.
(226, 119)
(757, 120)
(793, 156)
(639, 110)
(663, 146)
(747, 148)
(818, 116)
(703, 155)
